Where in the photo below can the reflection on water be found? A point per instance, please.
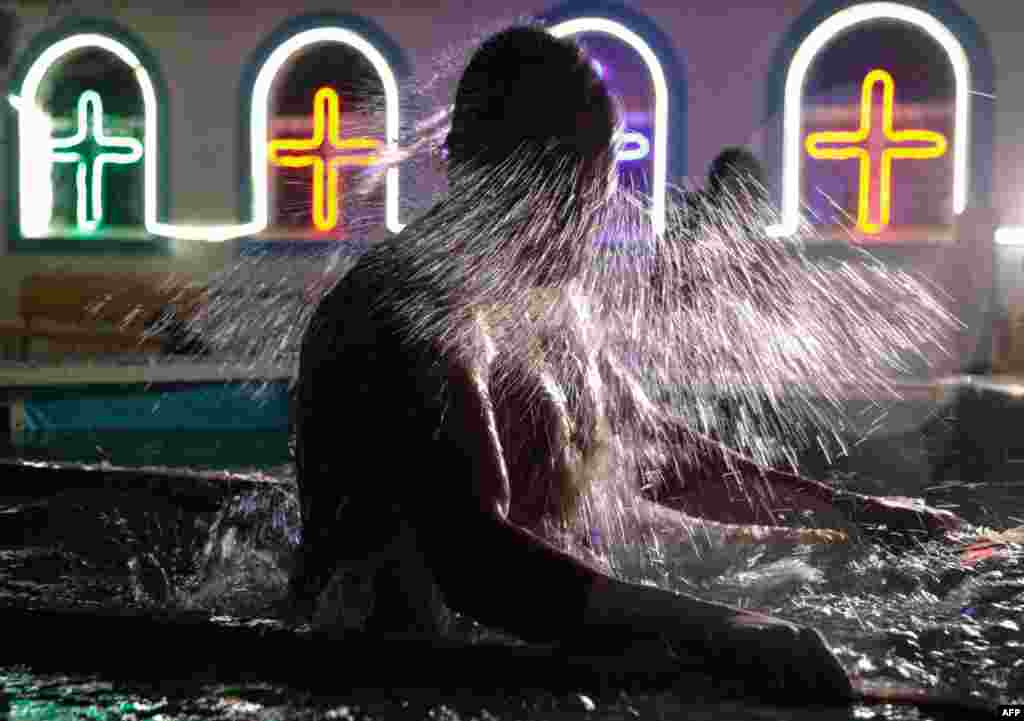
(219, 542)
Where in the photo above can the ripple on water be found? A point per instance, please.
(913, 613)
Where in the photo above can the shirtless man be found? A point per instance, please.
(435, 452)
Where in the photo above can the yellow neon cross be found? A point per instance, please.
(936, 147)
(326, 114)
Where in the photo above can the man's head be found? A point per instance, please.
(525, 87)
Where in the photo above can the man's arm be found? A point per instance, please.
(705, 478)
(771, 490)
(695, 453)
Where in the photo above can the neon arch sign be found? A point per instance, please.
(797, 75)
(638, 148)
(34, 216)
(260, 106)
(33, 181)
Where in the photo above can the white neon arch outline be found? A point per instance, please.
(29, 109)
(793, 98)
(29, 116)
(1010, 235)
(36, 132)
(260, 109)
(627, 36)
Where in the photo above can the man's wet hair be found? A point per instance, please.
(524, 86)
(531, 162)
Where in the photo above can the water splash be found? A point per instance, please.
(738, 336)
(730, 333)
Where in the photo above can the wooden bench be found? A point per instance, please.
(107, 311)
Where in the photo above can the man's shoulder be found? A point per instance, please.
(375, 272)
(361, 308)
(357, 287)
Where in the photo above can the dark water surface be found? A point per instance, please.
(205, 549)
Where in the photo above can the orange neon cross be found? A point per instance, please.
(326, 114)
(936, 147)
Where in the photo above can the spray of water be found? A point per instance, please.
(712, 310)
(710, 329)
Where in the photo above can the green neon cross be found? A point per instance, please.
(111, 150)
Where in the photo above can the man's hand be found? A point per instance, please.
(701, 490)
(897, 513)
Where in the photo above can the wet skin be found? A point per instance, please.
(502, 460)
(724, 486)
(785, 655)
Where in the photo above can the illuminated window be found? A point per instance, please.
(878, 119)
(867, 170)
(324, 107)
(81, 148)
